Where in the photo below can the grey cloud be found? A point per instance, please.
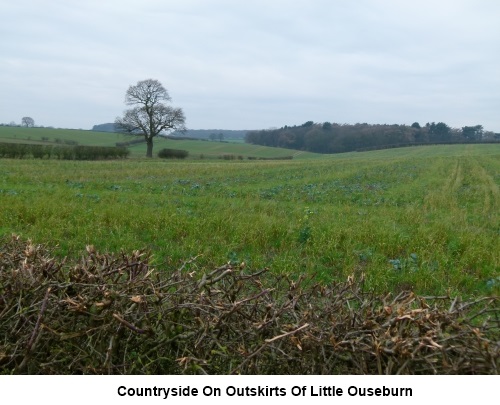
(254, 64)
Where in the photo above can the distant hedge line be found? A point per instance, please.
(132, 142)
(240, 157)
(78, 152)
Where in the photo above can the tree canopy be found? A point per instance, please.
(27, 122)
(150, 115)
(334, 138)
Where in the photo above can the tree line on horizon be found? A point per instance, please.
(337, 138)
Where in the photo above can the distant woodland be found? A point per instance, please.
(336, 138)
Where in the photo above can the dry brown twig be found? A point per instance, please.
(116, 314)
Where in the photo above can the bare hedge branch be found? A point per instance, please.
(115, 314)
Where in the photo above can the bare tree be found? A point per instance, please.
(150, 115)
(27, 122)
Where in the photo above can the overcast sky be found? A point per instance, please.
(233, 64)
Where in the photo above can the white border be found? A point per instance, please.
(94, 390)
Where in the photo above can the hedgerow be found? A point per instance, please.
(77, 152)
(173, 153)
(116, 314)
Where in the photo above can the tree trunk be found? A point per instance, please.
(149, 152)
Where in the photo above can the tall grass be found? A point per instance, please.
(424, 218)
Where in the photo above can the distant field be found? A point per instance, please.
(215, 149)
(196, 149)
(36, 135)
(425, 218)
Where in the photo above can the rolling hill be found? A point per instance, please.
(197, 148)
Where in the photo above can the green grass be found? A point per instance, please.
(425, 218)
(36, 135)
(210, 149)
(197, 149)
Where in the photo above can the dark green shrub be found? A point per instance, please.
(15, 150)
(39, 151)
(173, 154)
(78, 152)
(67, 153)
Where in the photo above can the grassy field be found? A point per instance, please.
(197, 149)
(425, 218)
(54, 136)
(203, 149)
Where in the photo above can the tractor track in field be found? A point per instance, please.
(490, 189)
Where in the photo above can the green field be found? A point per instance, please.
(425, 218)
(197, 149)
(52, 136)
